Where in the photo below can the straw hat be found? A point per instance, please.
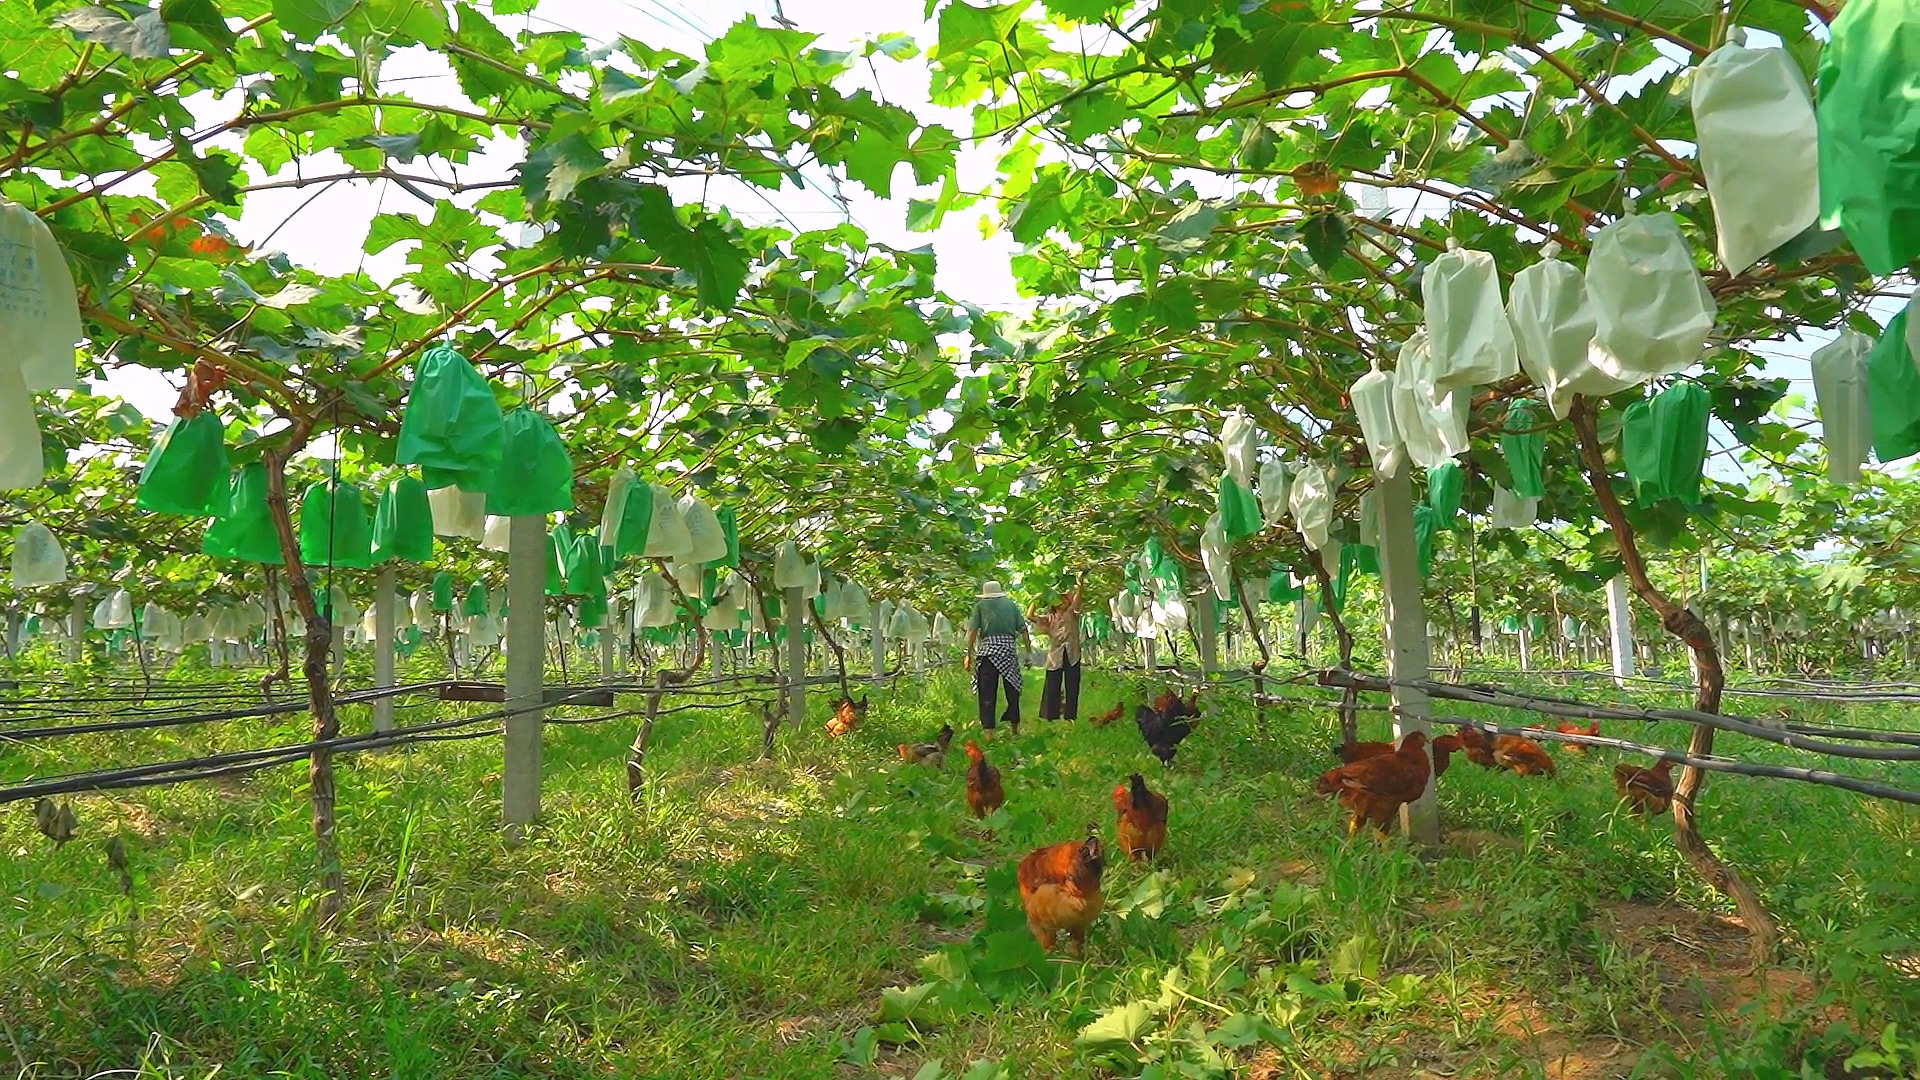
(990, 590)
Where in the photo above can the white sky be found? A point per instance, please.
(326, 232)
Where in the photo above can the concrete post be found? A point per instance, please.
(1206, 634)
(77, 628)
(793, 603)
(1406, 626)
(383, 619)
(526, 656)
(1620, 629)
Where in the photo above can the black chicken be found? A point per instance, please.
(1164, 728)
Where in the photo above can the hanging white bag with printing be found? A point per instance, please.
(1553, 329)
(1468, 337)
(22, 464)
(1840, 392)
(1759, 147)
(1312, 505)
(789, 566)
(1651, 309)
(37, 557)
(39, 310)
(707, 540)
(667, 534)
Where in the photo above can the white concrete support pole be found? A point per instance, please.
(1206, 633)
(793, 603)
(1525, 640)
(526, 658)
(1620, 628)
(1406, 625)
(879, 646)
(383, 601)
(77, 628)
(605, 632)
(1147, 658)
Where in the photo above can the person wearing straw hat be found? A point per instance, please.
(991, 629)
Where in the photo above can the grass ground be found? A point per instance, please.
(834, 913)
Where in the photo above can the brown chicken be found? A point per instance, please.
(1119, 710)
(1443, 748)
(1375, 788)
(934, 753)
(1523, 756)
(1647, 791)
(1568, 727)
(1060, 888)
(1478, 748)
(847, 714)
(1143, 818)
(984, 793)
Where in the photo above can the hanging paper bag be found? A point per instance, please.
(37, 557)
(39, 312)
(1446, 485)
(1432, 423)
(458, 513)
(452, 425)
(186, 471)
(442, 592)
(1893, 390)
(1869, 125)
(333, 527)
(1240, 447)
(475, 603)
(1312, 506)
(789, 567)
(706, 541)
(1651, 309)
(22, 464)
(1553, 331)
(1274, 485)
(536, 475)
(497, 535)
(403, 524)
(1372, 397)
(1524, 446)
(667, 533)
(730, 529)
(1215, 555)
(1840, 394)
(1759, 147)
(1511, 511)
(1680, 414)
(1468, 337)
(628, 516)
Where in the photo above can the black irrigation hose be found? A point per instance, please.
(358, 697)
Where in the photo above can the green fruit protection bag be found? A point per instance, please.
(403, 525)
(1281, 588)
(443, 592)
(1640, 452)
(1893, 393)
(245, 529)
(1446, 485)
(730, 525)
(1525, 448)
(452, 426)
(1425, 524)
(1537, 626)
(536, 475)
(1869, 131)
(593, 611)
(334, 530)
(559, 546)
(583, 570)
(475, 603)
(1680, 414)
(1239, 509)
(186, 471)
